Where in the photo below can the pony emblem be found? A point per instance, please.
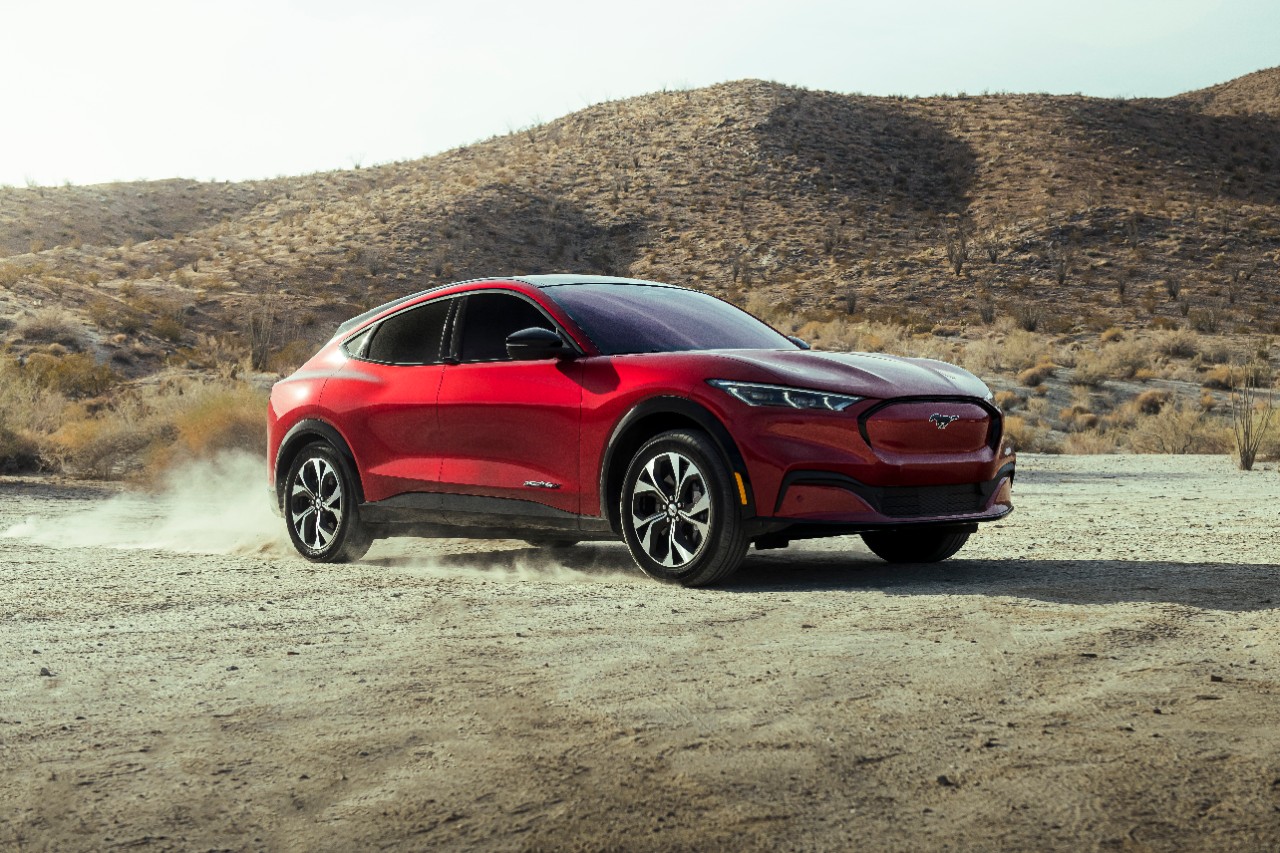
(942, 421)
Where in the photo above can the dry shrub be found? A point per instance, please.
(169, 327)
(292, 355)
(1009, 400)
(1090, 371)
(19, 453)
(1182, 428)
(99, 448)
(210, 419)
(143, 431)
(1112, 335)
(1023, 349)
(1151, 402)
(27, 406)
(75, 374)
(1028, 436)
(1177, 344)
(1033, 376)
(52, 326)
(1077, 419)
(1219, 378)
(1123, 360)
(1091, 443)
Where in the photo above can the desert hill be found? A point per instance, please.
(1258, 92)
(1065, 212)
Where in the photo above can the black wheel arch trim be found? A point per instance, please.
(683, 407)
(301, 434)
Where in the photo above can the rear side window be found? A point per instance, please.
(487, 320)
(411, 337)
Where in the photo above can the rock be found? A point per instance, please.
(44, 670)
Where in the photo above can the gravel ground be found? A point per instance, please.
(1098, 671)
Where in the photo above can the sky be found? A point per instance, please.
(134, 89)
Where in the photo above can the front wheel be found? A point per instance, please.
(915, 546)
(321, 509)
(679, 512)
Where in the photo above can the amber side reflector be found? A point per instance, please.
(742, 490)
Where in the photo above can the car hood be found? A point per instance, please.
(861, 373)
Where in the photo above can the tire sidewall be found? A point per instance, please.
(722, 542)
(347, 537)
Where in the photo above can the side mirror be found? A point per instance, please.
(535, 343)
(798, 342)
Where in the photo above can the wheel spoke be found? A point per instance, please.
(644, 529)
(700, 526)
(323, 537)
(652, 470)
(648, 486)
(300, 488)
(690, 470)
(677, 548)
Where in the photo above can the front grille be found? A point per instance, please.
(918, 501)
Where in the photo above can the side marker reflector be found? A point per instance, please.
(742, 490)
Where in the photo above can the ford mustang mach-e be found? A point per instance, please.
(558, 408)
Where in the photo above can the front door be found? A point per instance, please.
(508, 429)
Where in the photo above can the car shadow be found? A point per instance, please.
(1210, 586)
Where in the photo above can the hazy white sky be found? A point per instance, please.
(99, 91)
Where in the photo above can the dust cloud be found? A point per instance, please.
(222, 506)
(216, 506)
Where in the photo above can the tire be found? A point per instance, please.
(321, 507)
(915, 546)
(552, 544)
(679, 511)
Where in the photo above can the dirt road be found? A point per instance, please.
(1098, 672)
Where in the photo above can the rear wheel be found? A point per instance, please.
(679, 511)
(915, 546)
(321, 509)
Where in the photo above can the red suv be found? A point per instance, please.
(557, 409)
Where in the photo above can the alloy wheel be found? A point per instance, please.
(316, 503)
(671, 511)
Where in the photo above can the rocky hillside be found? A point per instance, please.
(1063, 212)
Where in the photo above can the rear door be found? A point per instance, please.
(508, 429)
(384, 399)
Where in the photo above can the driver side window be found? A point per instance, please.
(489, 318)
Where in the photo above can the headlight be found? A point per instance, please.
(754, 394)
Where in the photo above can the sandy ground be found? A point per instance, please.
(1098, 672)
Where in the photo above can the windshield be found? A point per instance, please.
(628, 318)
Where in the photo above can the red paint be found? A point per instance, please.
(489, 428)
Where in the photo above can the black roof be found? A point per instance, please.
(558, 279)
(540, 281)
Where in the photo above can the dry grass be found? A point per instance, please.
(1184, 428)
(1086, 233)
(138, 431)
(52, 326)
